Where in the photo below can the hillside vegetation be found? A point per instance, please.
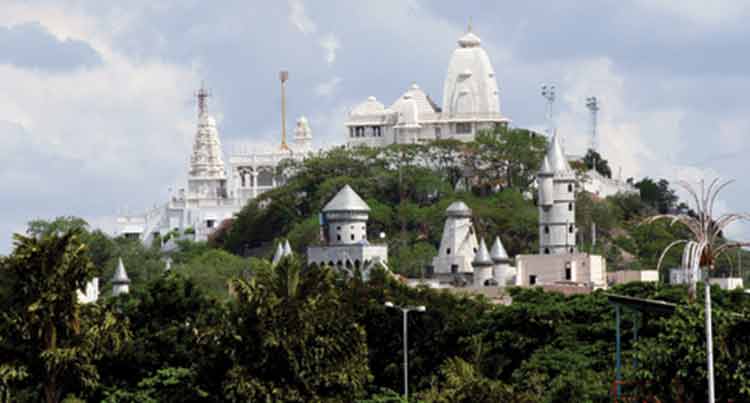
(223, 325)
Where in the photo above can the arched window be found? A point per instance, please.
(570, 206)
(546, 229)
(338, 237)
(572, 250)
(448, 251)
(570, 229)
(546, 251)
(351, 236)
(570, 187)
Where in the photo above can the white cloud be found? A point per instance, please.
(706, 13)
(299, 18)
(330, 43)
(89, 139)
(327, 88)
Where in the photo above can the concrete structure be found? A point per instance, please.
(483, 267)
(557, 195)
(501, 263)
(254, 172)
(120, 281)
(458, 243)
(572, 268)
(90, 294)
(344, 225)
(601, 186)
(727, 283)
(628, 276)
(212, 195)
(470, 104)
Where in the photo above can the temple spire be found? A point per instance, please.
(202, 94)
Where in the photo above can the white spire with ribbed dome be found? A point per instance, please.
(470, 86)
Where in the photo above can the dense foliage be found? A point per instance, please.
(224, 325)
(299, 333)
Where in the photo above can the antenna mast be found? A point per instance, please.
(548, 92)
(592, 103)
(283, 77)
(202, 94)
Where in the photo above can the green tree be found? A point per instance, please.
(46, 337)
(658, 195)
(290, 340)
(594, 160)
(173, 355)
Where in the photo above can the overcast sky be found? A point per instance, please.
(97, 113)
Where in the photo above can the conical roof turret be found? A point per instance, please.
(288, 249)
(458, 209)
(558, 163)
(278, 255)
(121, 276)
(545, 169)
(482, 257)
(346, 200)
(498, 253)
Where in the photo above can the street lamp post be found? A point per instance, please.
(406, 310)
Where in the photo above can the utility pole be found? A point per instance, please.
(406, 310)
(283, 77)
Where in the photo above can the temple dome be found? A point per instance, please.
(370, 107)
(408, 111)
(425, 106)
(469, 40)
(470, 86)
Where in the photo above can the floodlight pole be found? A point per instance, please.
(548, 92)
(406, 310)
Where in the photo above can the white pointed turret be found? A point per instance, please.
(120, 281)
(278, 255)
(546, 189)
(346, 216)
(458, 243)
(501, 262)
(482, 264)
(288, 249)
(557, 187)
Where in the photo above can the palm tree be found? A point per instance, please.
(703, 249)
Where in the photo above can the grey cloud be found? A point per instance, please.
(238, 47)
(31, 45)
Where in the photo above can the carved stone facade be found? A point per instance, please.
(470, 104)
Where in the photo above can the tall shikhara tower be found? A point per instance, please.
(207, 176)
(557, 195)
